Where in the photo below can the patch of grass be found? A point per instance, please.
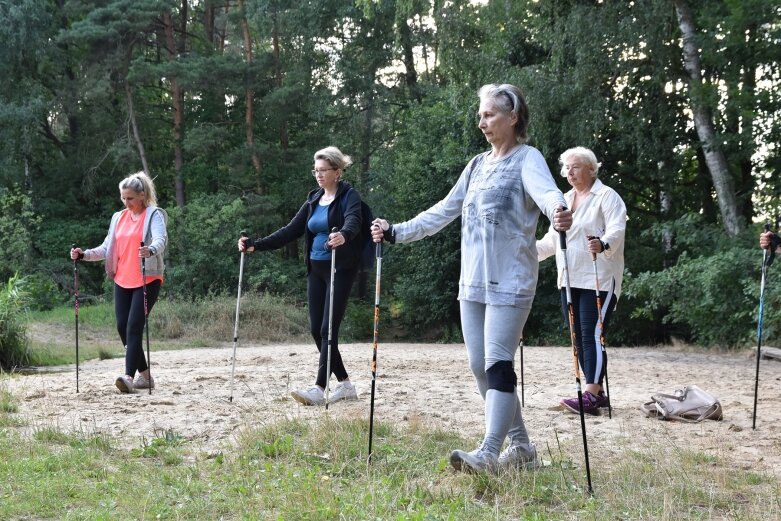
(302, 470)
(263, 318)
(7, 402)
(172, 324)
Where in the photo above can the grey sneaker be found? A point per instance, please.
(124, 383)
(142, 383)
(520, 456)
(343, 391)
(478, 460)
(312, 396)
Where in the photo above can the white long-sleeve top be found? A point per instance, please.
(602, 214)
(499, 202)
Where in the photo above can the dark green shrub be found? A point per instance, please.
(710, 296)
(14, 350)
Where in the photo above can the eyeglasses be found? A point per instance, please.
(322, 172)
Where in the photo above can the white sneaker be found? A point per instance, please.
(124, 383)
(343, 391)
(520, 456)
(478, 460)
(142, 383)
(312, 396)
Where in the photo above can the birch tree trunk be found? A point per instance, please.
(703, 122)
(131, 111)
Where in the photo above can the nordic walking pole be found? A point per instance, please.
(767, 260)
(236, 323)
(76, 308)
(330, 324)
(571, 316)
(601, 332)
(378, 254)
(520, 348)
(146, 320)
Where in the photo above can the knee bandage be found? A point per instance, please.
(501, 377)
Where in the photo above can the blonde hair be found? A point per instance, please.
(584, 154)
(140, 183)
(335, 157)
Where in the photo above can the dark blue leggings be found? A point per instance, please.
(318, 294)
(593, 362)
(129, 310)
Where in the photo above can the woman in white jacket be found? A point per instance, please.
(141, 220)
(596, 236)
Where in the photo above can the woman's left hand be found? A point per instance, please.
(144, 251)
(595, 245)
(335, 240)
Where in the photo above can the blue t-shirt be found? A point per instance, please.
(318, 225)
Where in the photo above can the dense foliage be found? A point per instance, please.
(13, 331)
(224, 102)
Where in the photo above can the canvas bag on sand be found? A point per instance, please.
(690, 404)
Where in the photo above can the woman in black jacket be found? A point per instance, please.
(335, 204)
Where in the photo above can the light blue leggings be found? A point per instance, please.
(491, 334)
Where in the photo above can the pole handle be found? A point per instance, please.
(563, 236)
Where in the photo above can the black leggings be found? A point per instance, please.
(318, 294)
(592, 360)
(129, 310)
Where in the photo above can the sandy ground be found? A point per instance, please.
(426, 383)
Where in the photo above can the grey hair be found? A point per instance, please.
(140, 183)
(335, 157)
(509, 99)
(584, 154)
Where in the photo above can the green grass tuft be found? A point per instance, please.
(313, 470)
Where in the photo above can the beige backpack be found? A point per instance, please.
(690, 404)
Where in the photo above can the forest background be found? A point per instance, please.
(224, 103)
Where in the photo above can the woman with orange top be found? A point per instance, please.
(140, 222)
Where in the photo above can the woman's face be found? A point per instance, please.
(498, 127)
(579, 174)
(326, 175)
(133, 200)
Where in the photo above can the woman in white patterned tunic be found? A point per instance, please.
(498, 196)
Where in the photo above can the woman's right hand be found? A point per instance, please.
(76, 254)
(379, 226)
(765, 239)
(245, 245)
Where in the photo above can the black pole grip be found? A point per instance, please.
(767, 227)
(563, 235)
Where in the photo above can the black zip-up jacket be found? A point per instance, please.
(344, 215)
